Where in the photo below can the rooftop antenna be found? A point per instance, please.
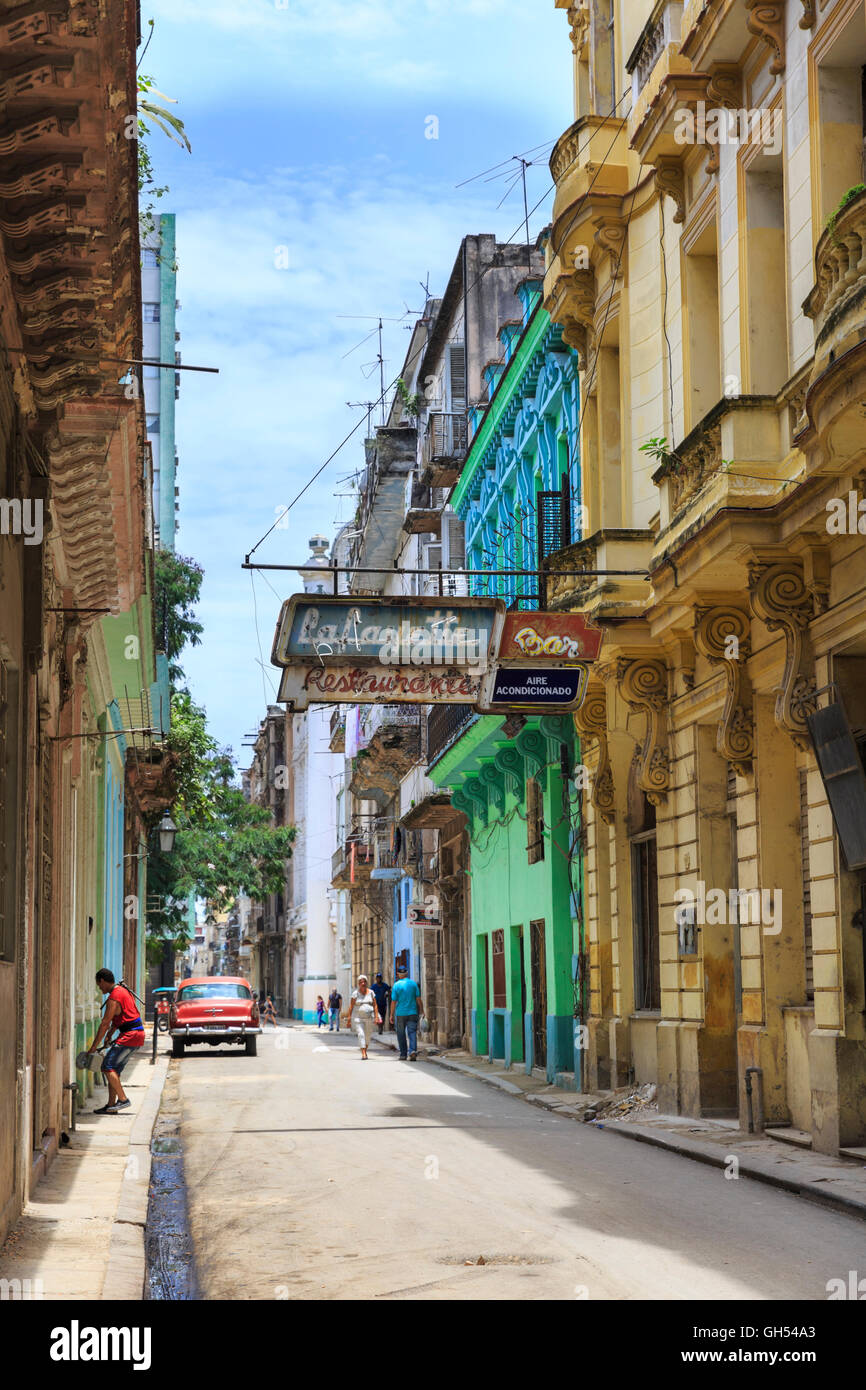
(369, 406)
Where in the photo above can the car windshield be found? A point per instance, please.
(214, 991)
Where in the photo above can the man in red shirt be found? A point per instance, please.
(121, 1013)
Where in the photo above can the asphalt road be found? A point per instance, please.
(314, 1175)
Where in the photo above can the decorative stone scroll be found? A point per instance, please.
(724, 90)
(610, 237)
(577, 313)
(722, 636)
(511, 765)
(644, 687)
(578, 20)
(766, 20)
(590, 721)
(670, 180)
(781, 599)
(807, 18)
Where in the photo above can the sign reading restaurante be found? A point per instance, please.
(429, 651)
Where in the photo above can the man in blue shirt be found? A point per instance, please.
(406, 1006)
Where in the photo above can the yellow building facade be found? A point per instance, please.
(707, 259)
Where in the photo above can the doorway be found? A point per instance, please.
(539, 993)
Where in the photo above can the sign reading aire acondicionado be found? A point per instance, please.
(339, 649)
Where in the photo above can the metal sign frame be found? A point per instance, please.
(348, 650)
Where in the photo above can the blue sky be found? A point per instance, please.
(307, 121)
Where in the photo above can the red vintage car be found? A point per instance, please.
(214, 1009)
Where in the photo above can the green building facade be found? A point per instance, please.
(515, 777)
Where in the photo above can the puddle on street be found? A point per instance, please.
(168, 1242)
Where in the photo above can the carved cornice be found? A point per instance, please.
(722, 636)
(590, 721)
(782, 601)
(766, 20)
(644, 687)
(670, 180)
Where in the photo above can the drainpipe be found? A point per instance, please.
(72, 1088)
(756, 1071)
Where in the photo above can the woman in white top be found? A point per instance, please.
(363, 1013)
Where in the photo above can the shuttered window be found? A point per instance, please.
(457, 378)
(807, 885)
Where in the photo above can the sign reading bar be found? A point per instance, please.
(303, 685)
(534, 687)
(336, 631)
(543, 637)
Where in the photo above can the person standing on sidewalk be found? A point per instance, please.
(320, 1010)
(335, 1003)
(363, 1013)
(269, 1013)
(121, 1014)
(383, 995)
(406, 1007)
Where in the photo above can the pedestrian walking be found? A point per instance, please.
(382, 992)
(363, 1013)
(335, 1003)
(406, 1008)
(320, 1011)
(122, 1017)
(269, 1013)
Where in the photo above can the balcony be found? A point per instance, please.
(835, 304)
(364, 856)
(837, 384)
(589, 165)
(424, 516)
(444, 448)
(445, 723)
(337, 742)
(602, 597)
(393, 734)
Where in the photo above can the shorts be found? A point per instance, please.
(117, 1057)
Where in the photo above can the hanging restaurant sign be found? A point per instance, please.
(307, 684)
(430, 651)
(412, 632)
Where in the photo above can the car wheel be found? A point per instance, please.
(177, 1046)
(250, 1045)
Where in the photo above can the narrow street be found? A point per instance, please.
(385, 1179)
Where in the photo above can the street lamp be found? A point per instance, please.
(167, 831)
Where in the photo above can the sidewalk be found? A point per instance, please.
(81, 1235)
(834, 1182)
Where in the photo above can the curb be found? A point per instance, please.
(686, 1148)
(126, 1268)
(749, 1168)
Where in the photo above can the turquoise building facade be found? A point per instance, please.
(515, 777)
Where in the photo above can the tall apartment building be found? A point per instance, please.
(161, 385)
(394, 820)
